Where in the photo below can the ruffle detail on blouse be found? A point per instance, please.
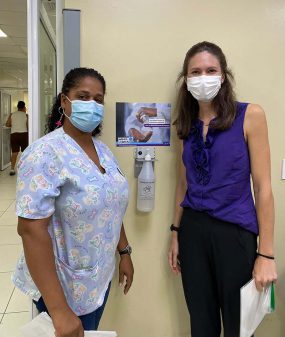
(201, 155)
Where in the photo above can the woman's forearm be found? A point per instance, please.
(179, 196)
(265, 214)
(41, 263)
(181, 187)
(123, 241)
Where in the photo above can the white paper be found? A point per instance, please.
(254, 306)
(41, 326)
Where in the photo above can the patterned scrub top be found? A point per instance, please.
(56, 178)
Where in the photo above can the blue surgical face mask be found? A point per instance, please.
(86, 115)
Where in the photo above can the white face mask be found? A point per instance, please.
(204, 88)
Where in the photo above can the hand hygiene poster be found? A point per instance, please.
(143, 124)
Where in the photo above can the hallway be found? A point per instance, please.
(14, 306)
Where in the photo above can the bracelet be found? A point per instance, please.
(174, 228)
(266, 256)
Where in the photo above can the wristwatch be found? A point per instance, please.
(174, 228)
(126, 250)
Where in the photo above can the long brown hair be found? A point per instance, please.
(187, 107)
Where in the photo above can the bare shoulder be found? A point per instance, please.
(254, 118)
(255, 111)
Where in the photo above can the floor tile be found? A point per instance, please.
(8, 180)
(7, 192)
(9, 184)
(12, 208)
(11, 324)
(9, 255)
(4, 204)
(5, 173)
(18, 302)
(9, 235)
(7, 195)
(6, 290)
(8, 218)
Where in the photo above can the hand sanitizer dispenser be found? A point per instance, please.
(146, 186)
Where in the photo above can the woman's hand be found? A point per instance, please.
(173, 254)
(140, 137)
(150, 112)
(67, 324)
(264, 272)
(126, 270)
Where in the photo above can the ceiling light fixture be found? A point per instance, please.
(2, 34)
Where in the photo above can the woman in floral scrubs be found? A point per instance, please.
(71, 200)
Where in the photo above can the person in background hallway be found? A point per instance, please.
(224, 143)
(71, 200)
(18, 122)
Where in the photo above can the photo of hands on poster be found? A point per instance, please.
(143, 124)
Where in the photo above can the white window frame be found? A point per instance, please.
(35, 13)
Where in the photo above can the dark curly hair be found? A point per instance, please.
(21, 105)
(187, 107)
(71, 80)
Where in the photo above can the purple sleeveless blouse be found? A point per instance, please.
(218, 173)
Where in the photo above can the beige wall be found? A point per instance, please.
(139, 47)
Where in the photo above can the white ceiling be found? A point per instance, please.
(13, 49)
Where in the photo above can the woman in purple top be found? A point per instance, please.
(224, 144)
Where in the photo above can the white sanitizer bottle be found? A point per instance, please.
(146, 183)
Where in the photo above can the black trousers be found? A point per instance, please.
(217, 259)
